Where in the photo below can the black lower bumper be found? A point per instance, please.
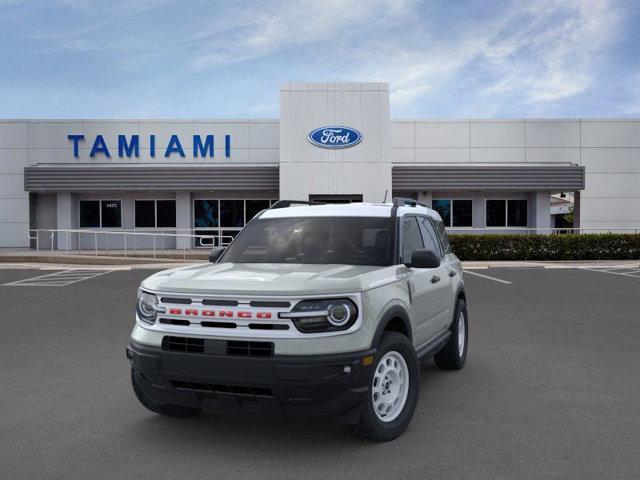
(318, 385)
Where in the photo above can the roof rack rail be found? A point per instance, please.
(407, 202)
(288, 203)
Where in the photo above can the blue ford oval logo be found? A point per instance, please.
(335, 137)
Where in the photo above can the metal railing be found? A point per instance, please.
(127, 241)
(132, 241)
(548, 230)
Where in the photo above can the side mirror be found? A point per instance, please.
(424, 259)
(216, 253)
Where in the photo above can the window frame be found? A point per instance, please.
(430, 221)
(220, 228)
(401, 235)
(155, 213)
(452, 199)
(506, 213)
(100, 200)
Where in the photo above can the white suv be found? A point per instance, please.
(312, 310)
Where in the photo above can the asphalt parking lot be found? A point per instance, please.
(551, 390)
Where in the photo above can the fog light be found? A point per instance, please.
(346, 369)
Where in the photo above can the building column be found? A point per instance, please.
(425, 197)
(183, 219)
(66, 218)
(541, 211)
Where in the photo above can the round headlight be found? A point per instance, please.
(147, 306)
(338, 314)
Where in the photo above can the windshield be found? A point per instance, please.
(323, 240)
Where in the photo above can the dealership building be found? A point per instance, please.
(333, 142)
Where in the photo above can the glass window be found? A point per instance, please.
(319, 240)
(462, 213)
(111, 213)
(411, 238)
(145, 213)
(496, 213)
(443, 207)
(442, 235)
(90, 214)
(205, 213)
(255, 206)
(232, 213)
(429, 236)
(517, 213)
(166, 213)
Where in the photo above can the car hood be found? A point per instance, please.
(268, 279)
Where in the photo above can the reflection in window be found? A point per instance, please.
(100, 213)
(255, 206)
(232, 213)
(443, 207)
(507, 213)
(155, 213)
(145, 214)
(89, 214)
(166, 213)
(462, 213)
(205, 213)
(496, 213)
(111, 211)
(454, 213)
(516, 213)
(411, 238)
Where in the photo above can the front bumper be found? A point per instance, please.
(309, 385)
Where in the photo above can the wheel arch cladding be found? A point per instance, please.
(395, 319)
(461, 295)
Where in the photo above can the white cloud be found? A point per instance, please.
(532, 53)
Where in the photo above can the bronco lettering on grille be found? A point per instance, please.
(219, 313)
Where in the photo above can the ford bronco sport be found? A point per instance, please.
(312, 310)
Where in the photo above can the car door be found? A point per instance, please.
(423, 284)
(445, 273)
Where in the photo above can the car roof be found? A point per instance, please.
(347, 210)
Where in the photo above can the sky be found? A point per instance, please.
(228, 59)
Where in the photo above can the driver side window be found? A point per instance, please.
(411, 238)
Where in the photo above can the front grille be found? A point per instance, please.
(183, 344)
(250, 349)
(176, 300)
(229, 389)
(262, 303)
(220, 303)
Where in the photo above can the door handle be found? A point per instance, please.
(435, 279)
(452, 273)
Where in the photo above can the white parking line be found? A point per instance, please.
(499, 280)
(611, 271)
(58, 279)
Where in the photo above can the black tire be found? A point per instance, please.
(450, 357)
(166, 410)
(372, 427)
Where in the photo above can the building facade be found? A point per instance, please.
(197, 177)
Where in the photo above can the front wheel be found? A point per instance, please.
(393, 391)
(454, 354)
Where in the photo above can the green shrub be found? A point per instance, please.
(591, 246)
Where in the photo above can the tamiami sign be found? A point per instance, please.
(129, 146)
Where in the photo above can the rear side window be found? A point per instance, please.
(430, 237)
(442, 235)
(411, 238)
